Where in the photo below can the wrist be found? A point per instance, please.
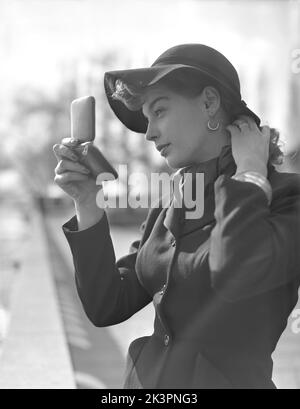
(88, 207)
(252, 166)
(89, 200)
(88, 214)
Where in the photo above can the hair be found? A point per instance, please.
(190, 84)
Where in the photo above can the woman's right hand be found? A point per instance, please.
(71, 176)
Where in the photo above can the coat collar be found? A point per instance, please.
(174, 219)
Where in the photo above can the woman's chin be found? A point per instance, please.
(174, 164)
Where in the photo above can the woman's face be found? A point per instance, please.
(180, 122)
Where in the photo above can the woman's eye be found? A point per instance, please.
(158, 111)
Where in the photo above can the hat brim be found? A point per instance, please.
(143, 77)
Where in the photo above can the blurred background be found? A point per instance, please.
(53, 51)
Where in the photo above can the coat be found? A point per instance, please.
(223, 285)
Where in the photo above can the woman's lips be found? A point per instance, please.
(164, 150)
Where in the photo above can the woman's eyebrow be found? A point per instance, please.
(154, 101)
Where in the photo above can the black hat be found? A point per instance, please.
(206, 60)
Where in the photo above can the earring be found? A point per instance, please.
(211, 128)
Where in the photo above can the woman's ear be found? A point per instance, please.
(212, 100)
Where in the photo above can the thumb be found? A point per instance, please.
(232, 129)
(70, 142)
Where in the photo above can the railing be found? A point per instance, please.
(35, 353)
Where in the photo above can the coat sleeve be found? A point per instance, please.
(254, 248)
(110, 290)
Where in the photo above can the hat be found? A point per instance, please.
(207, 61)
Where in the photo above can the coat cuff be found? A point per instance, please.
(236, 191)
(90, 237)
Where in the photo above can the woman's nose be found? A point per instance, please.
(151, 133)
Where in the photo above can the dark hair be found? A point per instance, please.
(190, 84)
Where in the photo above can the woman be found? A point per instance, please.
(224, 284)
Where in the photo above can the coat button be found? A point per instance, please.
(166, 340)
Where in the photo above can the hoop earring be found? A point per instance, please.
(211, 128)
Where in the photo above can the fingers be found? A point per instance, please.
(71, 142)
(244, 123)
(65, 165)
(67, 177)
(63, 151)
(245, 119)
(266, 132)
(238, 127)
(240, 123)
(233, 129)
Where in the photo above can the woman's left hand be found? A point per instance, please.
(250, 146)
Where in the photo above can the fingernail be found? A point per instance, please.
(74, 142)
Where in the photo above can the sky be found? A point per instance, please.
(36, 35)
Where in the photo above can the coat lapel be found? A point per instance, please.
(175, 220)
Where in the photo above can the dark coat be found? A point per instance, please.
(222, 285)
